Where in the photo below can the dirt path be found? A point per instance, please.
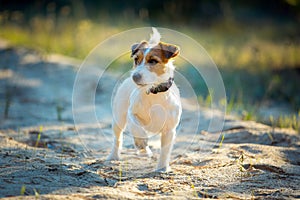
(42, 154)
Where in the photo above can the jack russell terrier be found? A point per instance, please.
(148, 102)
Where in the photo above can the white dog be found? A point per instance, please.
(148, 101)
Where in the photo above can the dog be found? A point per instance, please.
(148, 101)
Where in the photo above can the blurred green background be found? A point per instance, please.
(255, 44)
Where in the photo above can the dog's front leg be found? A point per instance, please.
(167, 141)
(118, 142)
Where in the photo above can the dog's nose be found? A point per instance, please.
(136, 77)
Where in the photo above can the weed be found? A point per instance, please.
(291, 121)
(230, 105)
(39, 136)
(271, 118)
(221, 142)
(243, 173)
(270, 136)
(252, 195)
(36, 194)
(208, 100)
(205, 101)
(23, 190)
(59, 110)
(8, 99)
(195, 193)
(286, 121)
(247, 111)
(237, 106)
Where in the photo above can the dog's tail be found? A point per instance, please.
(154, 37)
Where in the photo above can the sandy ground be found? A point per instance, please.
(44, 155)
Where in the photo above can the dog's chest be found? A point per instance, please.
(150, 109)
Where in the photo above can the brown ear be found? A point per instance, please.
(170, 50)
(137, 46)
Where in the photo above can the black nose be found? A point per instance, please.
(136, 77)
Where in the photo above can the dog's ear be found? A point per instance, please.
(134, 49)
(170, 50)
(137, 46)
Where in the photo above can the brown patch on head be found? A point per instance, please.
(156, 58)
(165, 51)
(159, 56)
(137, 52)
(159, 69)
(156, 61)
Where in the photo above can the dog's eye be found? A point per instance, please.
(153, 62)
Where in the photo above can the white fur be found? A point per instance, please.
(155, 37)
(149, 78)
(143, 114)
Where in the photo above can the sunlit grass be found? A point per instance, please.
(258, 48)
(289, 121)
(229, 47)
(244, 110)
(70, 38)
(286, 121)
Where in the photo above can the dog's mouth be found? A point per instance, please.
(152, 87)
(142, 84)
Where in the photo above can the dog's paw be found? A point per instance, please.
(112, 157)
(163, 169)
(149, 152)
(145, 152)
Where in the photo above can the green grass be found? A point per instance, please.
(239, 107)
(74, 39)
(252, 50)
(289, 121)
(23, 190)
(233, 46)
(59, 110)
(39, 137)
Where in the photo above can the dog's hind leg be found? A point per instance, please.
(142, 145)
(140, 140)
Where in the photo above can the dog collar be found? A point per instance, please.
(163, 87)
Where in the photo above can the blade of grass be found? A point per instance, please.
(39, 136)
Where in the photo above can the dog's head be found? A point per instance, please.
(153, 61)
